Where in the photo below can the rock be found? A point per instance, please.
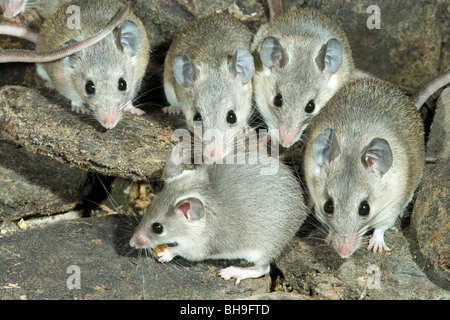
(313, 268)
(35, 185)
(438, 145)
(137, 148)
(36, 264)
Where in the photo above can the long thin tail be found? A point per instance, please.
(15, 30)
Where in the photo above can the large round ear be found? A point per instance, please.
(129, 39)
(272, 53)
(378, 156)
(183, 70)
(70, 60)
(242, 65)
(330, 57)
(190, 208)
(325, 148)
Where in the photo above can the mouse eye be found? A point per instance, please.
(328, 207)
(278, 100)
(231, 117)
(90, 87)
(157, 228)
(122, 84)
(364, 208)
(310, 106)
(198, 117)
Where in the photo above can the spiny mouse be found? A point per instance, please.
(220, 211)
(207, 76)
(364, 158)
(301, 58)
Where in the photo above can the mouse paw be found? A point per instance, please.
(136, 111)
(166, 255)
(171, 110)
(376, 243)
(79, 109)
(240, 273)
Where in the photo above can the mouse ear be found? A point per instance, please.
(70, 60)
(272, 53)
(329, 59)
(191, 208)
(129, 38)
(378, 156)
(183, 70)
(242, 65)
(325, 148)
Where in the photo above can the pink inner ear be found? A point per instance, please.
(184, 207)
(277, 57)
(370, 161)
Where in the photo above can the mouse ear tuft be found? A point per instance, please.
(242, 65)
(272, 53)
(70, 60)
(326, 147)
(129, 38)
(378, 156)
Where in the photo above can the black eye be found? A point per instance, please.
(364, 208)
(122, 84)
(198, 117)
(328, 207)
(157, 228)
(231, 117)
(90, 87)
(310, 106)
(278, 100)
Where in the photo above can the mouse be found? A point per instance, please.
(207, 77)
(32, 56)
(223, 211)
(103, 78)
(302, 58)
(363, 161)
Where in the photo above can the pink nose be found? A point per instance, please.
(108, 118)
(140, 241)
(346, 245)
(215, 152)
(288, 136)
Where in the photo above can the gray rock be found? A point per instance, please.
(35, 265)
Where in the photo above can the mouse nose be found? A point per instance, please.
(345, 245)
(108, 118)
(288, 136)
(140, 241)
(215, 152)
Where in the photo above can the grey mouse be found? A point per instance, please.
(106, 76)
(207, 76)
(364, 158)
(221, 211)
(301, 58)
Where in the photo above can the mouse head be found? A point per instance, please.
(349, 187)
(12, 8)
(176, 215)
(217, 95)
(295, 82)
(106, 76)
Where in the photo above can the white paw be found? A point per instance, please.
(376, 243)
(171, 110)
(135, 111)
(166, 255)
(240, 273)
(79, 109)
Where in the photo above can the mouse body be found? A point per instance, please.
(364, 158)
(223, 211)
(301, 58)
(105, 77)
(207, 77)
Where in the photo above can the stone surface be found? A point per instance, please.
(33, 185)
(137, 148)
(438, 145)
(35, 265)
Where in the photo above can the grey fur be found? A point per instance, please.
(367, 117)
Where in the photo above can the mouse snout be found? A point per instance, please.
(108, 118)
(140, 240)
(345, 245)
(288, 136)
(215, 151)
